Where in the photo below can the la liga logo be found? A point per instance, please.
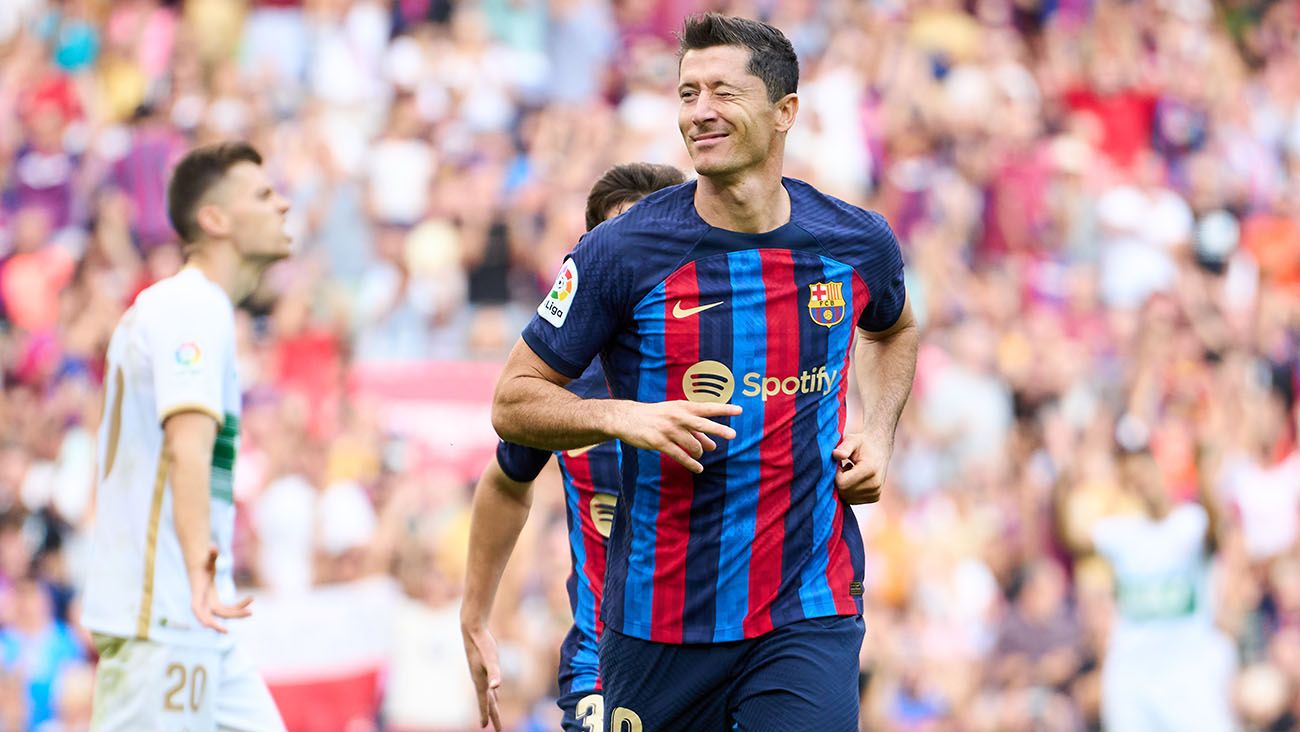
(563, 285)
(188, 354)
(555, 308)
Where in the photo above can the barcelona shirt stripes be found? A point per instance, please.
(676, 309)
(591, 481)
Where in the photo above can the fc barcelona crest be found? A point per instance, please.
(826, 303)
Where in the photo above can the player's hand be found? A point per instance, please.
(204, 601)
(485, 669)
(863, 462)
(680, 429)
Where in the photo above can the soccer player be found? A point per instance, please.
(726, 312)
(160, 582)
(591, 482)
(1167, 667)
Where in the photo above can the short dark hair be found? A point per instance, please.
(627, 182)
(771, 56)
(195, 175)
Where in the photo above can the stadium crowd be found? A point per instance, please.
(1099, 202)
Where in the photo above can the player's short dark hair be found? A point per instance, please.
(195, 175)
(627, 182)
(771, 56)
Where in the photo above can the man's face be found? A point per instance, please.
(726, 119)
(255, 213)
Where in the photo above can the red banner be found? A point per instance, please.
(444, 407)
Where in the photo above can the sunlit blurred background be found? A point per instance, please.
(1097, 201)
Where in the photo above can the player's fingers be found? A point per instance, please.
(864, 491)
(863, 497)
(679, 455)
(712, 409)
(206, 620)
(709, 427)
(494, 710)
(709, 444)
(482, 704)
(856, 476)
(226, 611)
(238, 610)
(847, 448)
(687, 442)
(199, 606)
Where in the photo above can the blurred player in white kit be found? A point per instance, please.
(1168, 668)
(160, 582)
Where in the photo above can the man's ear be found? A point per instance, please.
(787, 108)
(212, 220)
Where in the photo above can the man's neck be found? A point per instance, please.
(222, 265)
(753, 204)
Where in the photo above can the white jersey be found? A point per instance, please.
(1167, 669)
(173, 351)
(1161, 577)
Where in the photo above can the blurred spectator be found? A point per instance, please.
(33, 275)
(37, 648)
(1040, 641)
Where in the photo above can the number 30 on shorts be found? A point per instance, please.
(178, 679)
(591, 712)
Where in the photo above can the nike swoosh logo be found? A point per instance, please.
(681, 312)
(575, 452)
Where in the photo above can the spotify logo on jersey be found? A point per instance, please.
(709, 381)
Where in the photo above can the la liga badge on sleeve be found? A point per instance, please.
(555, 308)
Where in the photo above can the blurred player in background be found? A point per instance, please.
(160, 580)
(1168, 667)
(591, 485)
(733, 592)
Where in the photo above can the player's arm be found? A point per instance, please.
(583, 313)
(1208, 462)
(188, 439)
(497, 516)
(532, 407)
(189, 348)
(884, 364)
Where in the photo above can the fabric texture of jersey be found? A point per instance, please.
(591, 483)
(173, 351)
(676, 309)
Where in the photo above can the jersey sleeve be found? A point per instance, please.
(521, 464)
(1108, 536)
(1193, 523)
(583, 308)
(883, 272)
(189, 345)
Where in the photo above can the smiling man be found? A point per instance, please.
(734, 577)
(160, 580)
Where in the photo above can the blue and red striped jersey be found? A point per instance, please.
(591, 486)
(676, 309)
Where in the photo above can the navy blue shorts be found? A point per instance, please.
(802, 676)
(584, 711)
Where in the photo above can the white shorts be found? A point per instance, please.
(143, 686)
(1186, 689)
